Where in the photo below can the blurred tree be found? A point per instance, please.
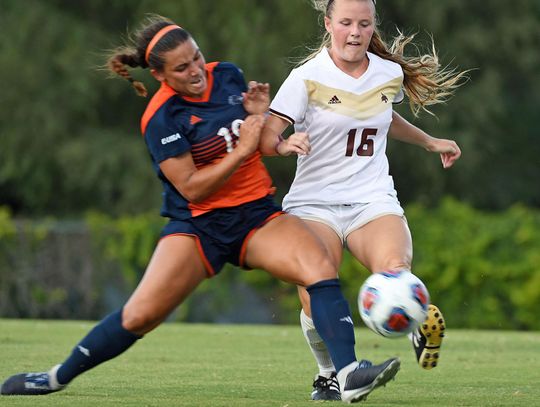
(492, 117)
(69, 138)
(65, 144)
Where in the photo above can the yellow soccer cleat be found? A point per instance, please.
(427, 339)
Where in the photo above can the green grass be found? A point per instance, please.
(268, 365)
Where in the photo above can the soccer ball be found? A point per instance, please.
(393, 303)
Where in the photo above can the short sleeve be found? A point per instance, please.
(239, 75)
(165, 139)
(291, 100)
(399, 97)
(234, 75)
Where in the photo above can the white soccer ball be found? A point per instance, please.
(393, 303)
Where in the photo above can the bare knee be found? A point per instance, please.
(388, 260)
(139, 320)
(391, 264)
(316, 269)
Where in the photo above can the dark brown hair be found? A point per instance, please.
(133, 53)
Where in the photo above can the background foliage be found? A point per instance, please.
(70, 148)
(481, 268)
(70, 140)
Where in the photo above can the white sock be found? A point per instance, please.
(53, 381)
(317, 346)
(344, 372)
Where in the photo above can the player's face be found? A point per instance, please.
(184, 70)
(351, 26)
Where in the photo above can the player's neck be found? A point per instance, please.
(352, 68)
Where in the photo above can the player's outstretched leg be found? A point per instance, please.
(427, 339)
(332, 318)
(105, 341)
(359, 379)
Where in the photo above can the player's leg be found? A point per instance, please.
(321, 220)
(174, 271)
(325, 385)
(383, 244)
(302, 259)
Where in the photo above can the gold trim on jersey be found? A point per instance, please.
(359, 106)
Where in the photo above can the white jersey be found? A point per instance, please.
(347, 121)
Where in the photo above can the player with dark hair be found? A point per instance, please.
(339, 100)
(202, 129)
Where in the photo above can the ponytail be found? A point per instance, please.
(425, 81)
(117, 64)
(145, 49)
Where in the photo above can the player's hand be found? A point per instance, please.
(448, 150)
(257, 98)
(250, 134)
(297, 143)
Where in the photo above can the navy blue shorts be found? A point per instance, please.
(222, 234)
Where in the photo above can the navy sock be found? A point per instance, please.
(105, 341)
(332, 319)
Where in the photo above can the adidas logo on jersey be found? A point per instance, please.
(384, 98)
(194, 119)
(334, 100)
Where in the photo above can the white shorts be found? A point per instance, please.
(344, 219)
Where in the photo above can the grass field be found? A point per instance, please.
(268, 365)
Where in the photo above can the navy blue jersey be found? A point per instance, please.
(206, 127)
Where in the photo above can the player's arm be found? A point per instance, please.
(402, 130)
(198, 184)
(272, 142)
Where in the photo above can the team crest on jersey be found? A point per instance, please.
(384, 98)
(236, 100)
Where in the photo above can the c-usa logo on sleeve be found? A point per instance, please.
(171, 138)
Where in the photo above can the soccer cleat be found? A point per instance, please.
(358, 380)
(32, 384)
(326, 388)
(428, 337)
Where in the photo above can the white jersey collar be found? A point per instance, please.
(325, 59)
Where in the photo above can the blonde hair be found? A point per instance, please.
(425, 81)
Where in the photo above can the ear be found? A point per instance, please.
(158, 75)
(328, 25)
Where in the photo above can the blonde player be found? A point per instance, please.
(340, 103)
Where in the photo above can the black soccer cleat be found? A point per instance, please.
(358, 381)
(427, 339)
(31, 384)
(326, 388)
